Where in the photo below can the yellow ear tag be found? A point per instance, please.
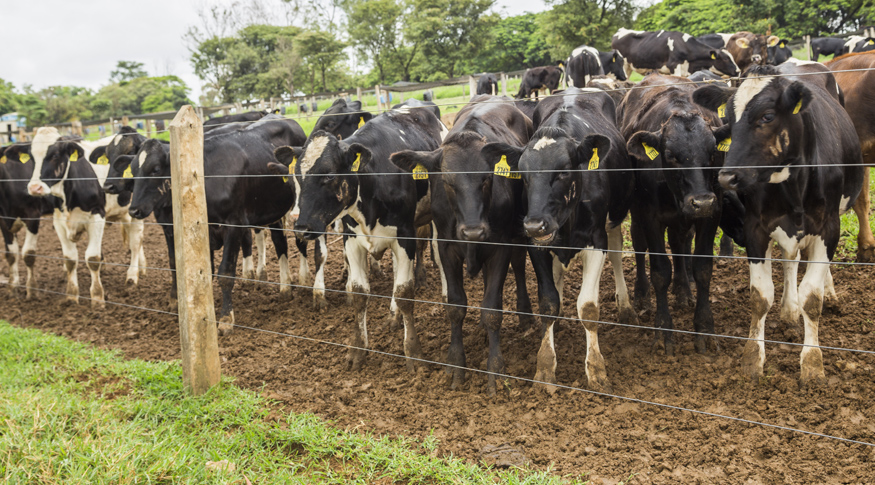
(357, 163)
(291, 168)
(561, 66)
(723, 146)
(594, 161)
(3, 159)
(103, 160)
(502, 169)
(797, 108)
(781, 45)
(650, 151)
(420, 172)
(127, 173)
(361, 121)
(74, 156)
(713, 56)
(721, 110)
(870, 42)
(23, 157)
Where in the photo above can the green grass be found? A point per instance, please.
(73, 414)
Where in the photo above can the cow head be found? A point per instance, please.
(120, 176)
(18, 153)
(749, 48)
(723, 63)
(56, 165)
(45, 137)
(780, 52)
(684, 149)
(765, 120)
(326, 170)
(612, 63)
(551, 166)
(342, 119)
(150, 170)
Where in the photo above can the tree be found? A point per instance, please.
(8, 98)
(127, 71)
(515, 43)
(321, 51)
(373, 29)
(572, 23)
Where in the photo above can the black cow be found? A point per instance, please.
(670, 52)
(488, 84)
(18, 209)
(342, 119)
(670, 135)
(858, 43)
(537, 78)
(717, 41)
(796, 180)
(779, 53)
(231, 199)
(578, 191)
(213, 123)
(479, 207)
(826, 46)
(334, 181)
(587, 62)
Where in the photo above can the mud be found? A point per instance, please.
(572, 432)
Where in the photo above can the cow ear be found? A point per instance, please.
(357, 157)
(407, 160)
(742, 42)
(591, 150)
(355, 105)
(492, 153)
(366, 116)
(96, 154)
(713, 96)
(773, 40)
(286, 154)
(644, 147)
(74, 152)
(795, 98)
(721, 132)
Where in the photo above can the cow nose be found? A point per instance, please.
(534, 227)
(728, 180)
(473, 233)
(136, 213)
(301, 230)
(703, 205)
(35, 189)
(757, 58)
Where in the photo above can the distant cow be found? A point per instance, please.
(858, 43)
(537, 78)
(342, 118)
(775, 124)
(826, 46)
(586, 62)
(221, 120)
(488, 84)
(670, 52)
(717, 41)
(748, 48)
(779, 53)
(415, 103)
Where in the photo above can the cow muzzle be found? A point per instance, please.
(700, 206)
(539, 230)
(757, 59)
(138, 213)
(474, 232)
(38, 189)
(307, 231)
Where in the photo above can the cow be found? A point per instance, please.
(469, 204)
(670, 52)
(857, 90)
(83, 207)
(334, 180)
(671, 137)
(858, 43)
(213, 123)
(748, 48)
(779, 53)
(527, 106)
(538, 78)
(579, 187)
(706, 77)
(717, 41)
(415, 103)
(238, 196)
(776, 123)
(487, 84)
(342, 119)
(586, 62)
(19, 210)
(616, 89)
(826, 46)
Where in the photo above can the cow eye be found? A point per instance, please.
(327, 179)
(563, 175)
(768, 118)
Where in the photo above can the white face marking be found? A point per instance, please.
(142, 157)
(117, 140)
(781, 176)
(43, 139)
(444, 130)
(726, 37)
(731, 58)
(314, 151)
(747, 91)
(670, 44)
(543, 142)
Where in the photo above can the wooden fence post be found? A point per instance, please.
(197, 314)
(472, 87)
(358, 93)
(377, 93)
(148, 127)
(808, 46)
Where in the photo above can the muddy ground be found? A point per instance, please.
(571, 432)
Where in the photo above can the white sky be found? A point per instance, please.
(64, 42)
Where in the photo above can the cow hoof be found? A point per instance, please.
(261, 275)
(395, 321)
(70, 301)
(173, 305)
(526, 321)
(707, 345)
(98, 304)
(812, 378)
(129, 283)
(866, 255)
(320, 303)
(226, 326)
(285, 293)
(684, 300)
(628, 316)
(356, 359)
(543, 379)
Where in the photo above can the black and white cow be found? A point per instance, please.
(62, 169)
(586, 62)
(232, 200)
(250, 116)
(488, 84)
(796, 177)
(19, 210)
(342, 119)
(335, 183)
(858, 43)
(540, 78)
(826, 46)
(779, 53)
(717, 41)
(672, 137)
(670, 52)
(482, 207)
(578, 191)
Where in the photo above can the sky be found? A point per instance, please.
(63, 42)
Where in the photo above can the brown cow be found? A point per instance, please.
(748, 48)
(859, 95)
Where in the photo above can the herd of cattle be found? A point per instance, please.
(777, 158)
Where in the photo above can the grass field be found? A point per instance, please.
(73, 414)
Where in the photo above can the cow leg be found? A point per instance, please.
(423, 234)
(94, 258)
(523, 303)
(320, 255)
(234, 238)
(29, 252)
(261, 245)
(865, 240)
(727, 248)
(135, 242)
(677, 241)
(494, 275)
(762, 295)
(811, 296)
(789, 298)
(248, 265)
(71, 255)
(660, 277)
(549, 301)
(829, 289)
(281, 245)
(703, 265)
(359, 288)
(588, 311)
(453, 279)
(639, 245)
(403, 254)
(11, 256)
(173, 304)
(615, 247)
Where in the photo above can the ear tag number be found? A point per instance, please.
(127, 173)
(74, 156)
(361, 121)
(721, 110)
(23, 157)
(502, 169)
(650, 151)
(723, 146)
(797, 108)
(420, 172)
(357, 163)
(594, 161)
(103, 160)
(291, 168)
